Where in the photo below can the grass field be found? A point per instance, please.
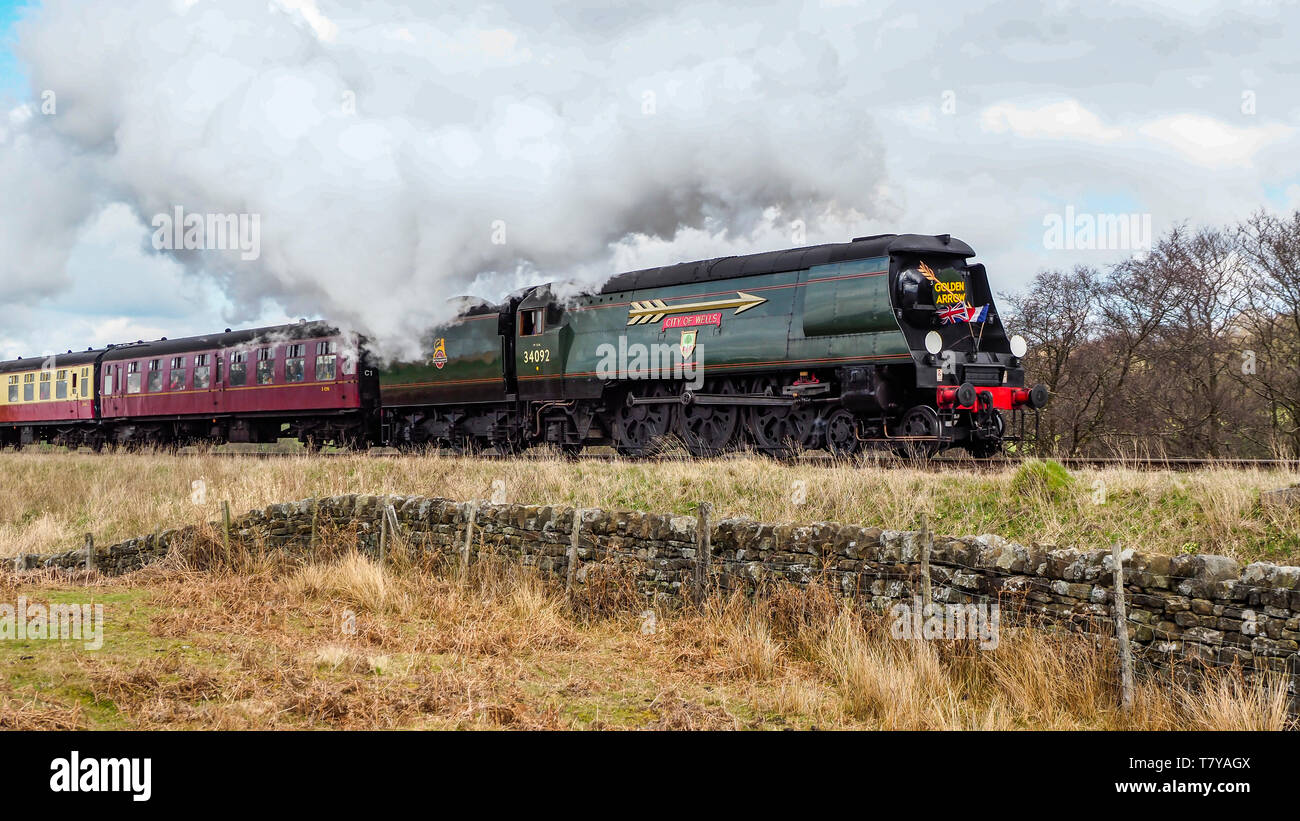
(343, 643)
(48, 501)
(347, 644)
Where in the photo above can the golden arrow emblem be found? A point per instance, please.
(653, 310)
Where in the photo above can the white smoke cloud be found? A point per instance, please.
(399, 158)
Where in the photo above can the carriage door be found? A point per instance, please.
(219, 381)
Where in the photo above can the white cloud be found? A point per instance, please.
(325, 28)
(1207, 141)
(1066, 119)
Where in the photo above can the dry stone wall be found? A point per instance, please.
(1181, 608)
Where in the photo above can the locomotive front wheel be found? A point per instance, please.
(919, 424)
(842, 434)
(990, 446)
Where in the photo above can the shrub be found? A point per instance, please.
(1046, 478)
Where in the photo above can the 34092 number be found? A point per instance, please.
(537, 355)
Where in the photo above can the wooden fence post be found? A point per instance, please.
(394, 528)
(1121, 633)
(703, 549)
(573, 550)
(471, 516)
(311, 545)
(90, 552)
(383, 535)
(225, 528)
(924, 537)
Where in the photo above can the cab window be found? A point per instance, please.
(532, 322)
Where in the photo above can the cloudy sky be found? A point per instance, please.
(394, 155)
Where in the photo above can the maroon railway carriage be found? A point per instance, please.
(307, 380)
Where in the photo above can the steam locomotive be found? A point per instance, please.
(889, 341)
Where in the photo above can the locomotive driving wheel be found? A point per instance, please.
(707, 430)
(920, 429)
(781, 430)
(638, 429)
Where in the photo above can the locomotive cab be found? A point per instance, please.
(541, 342)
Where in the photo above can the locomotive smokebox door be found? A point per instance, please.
(541, 343)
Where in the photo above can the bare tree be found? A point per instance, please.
(1056, 315)
(1270, 247)
(1192, 395)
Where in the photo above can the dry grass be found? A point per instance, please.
(50, 500)
(345, 643)
(348, 644)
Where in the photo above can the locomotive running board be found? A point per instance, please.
(689, 398)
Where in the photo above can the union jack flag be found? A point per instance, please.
(963, 313)
(953, 314)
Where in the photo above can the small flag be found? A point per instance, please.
(953, 314)
(979, 314)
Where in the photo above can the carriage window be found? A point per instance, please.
(133, 377)
(45, 385)
(294, 371)
(265, 366)
(155, 375)
(85, 381)
(202, 372)
(29, 387)
(176, 378)
(13, 389)
(61, 385)
(531, 323)
(326, 370)
(238, 368)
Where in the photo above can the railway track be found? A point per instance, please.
(813, 458)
